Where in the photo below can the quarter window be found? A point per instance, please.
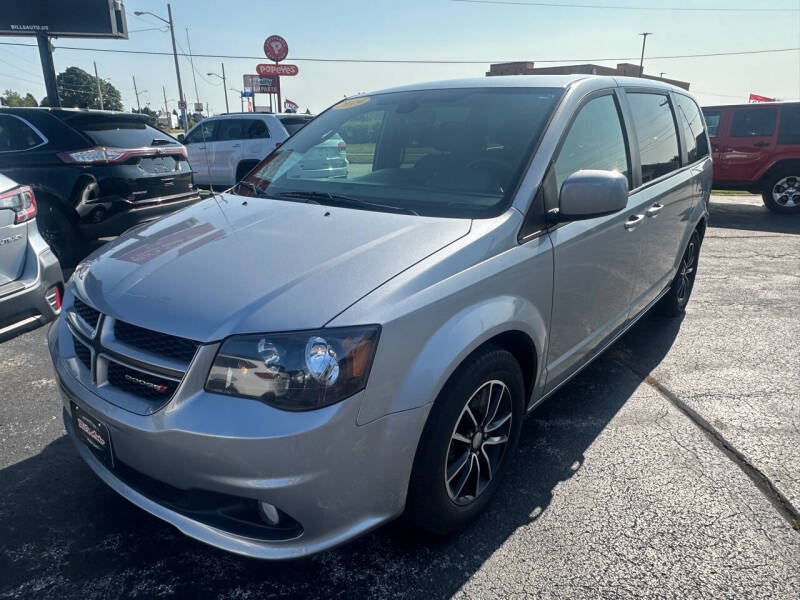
(789, 130)
(692, 127)
(753, 122)
(595, 141)
(16, 135)
(656, 133)
(712, 123)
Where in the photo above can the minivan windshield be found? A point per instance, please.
(447, 152)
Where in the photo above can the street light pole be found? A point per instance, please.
(225, 87)
(136, 91)
(177, 70)
(99, 89)
(641, 60)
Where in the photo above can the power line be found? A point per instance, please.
(413, 61)
(626, 7)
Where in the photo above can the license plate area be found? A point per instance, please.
(93, 433)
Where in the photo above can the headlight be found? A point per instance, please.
(295, 371)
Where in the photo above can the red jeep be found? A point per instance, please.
(756, 147)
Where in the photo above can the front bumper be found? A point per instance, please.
(23, 303)
(335, 478)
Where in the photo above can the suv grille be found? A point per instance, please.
(139, 383)
(155, 342)
(83, 353)
(89, 315)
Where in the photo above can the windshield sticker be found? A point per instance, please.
(352, 102)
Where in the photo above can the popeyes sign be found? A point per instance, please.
(278, 69)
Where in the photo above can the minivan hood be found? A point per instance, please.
(231, 264)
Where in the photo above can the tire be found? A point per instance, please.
(673, 304)
(244, 168)
(781, 192)
(60, 233)
(441, 507)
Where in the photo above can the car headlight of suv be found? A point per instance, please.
(298, 370)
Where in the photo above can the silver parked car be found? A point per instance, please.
(279, 370)
(30, 277)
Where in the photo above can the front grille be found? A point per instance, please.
(144, 385)
(83, 353)
(89, 315)
(153, 341)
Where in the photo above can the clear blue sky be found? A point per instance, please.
(429, 29)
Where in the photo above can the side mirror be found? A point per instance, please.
(588, 194)
(181, 138)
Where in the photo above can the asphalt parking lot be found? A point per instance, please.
(670, 468)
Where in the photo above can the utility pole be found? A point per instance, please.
(181, 99)
(225, 87)
(99, 89)
(166, 106)
(194, 77)
(48, 69)
(641, 60)
(136, 91)
(661, 75)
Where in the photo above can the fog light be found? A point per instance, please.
(269, 513)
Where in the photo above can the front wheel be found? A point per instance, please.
(781, 193)
(673, 304)
(471, 432)
(61, 235)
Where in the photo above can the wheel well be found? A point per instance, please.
(701, 228)
(521, 346)
(244, 167)
(780, 166)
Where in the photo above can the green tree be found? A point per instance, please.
(78, 89)
(12, 98)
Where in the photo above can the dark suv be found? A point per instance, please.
(756, 147)
(95, 173)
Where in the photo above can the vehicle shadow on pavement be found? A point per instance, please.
(751, 217)
(65, 534)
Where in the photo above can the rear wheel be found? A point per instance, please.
(781, 193)
(60, 233)
(472, 430)
(673, 304)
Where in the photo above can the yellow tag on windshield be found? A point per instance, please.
(351, 102)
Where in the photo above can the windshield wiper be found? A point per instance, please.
(345, 201)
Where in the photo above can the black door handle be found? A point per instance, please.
(761, 144)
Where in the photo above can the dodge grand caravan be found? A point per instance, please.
(280, 369)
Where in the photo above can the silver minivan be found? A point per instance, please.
(277, 370)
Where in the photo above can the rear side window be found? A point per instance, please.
(595, 141)
(656, 133)
(752, 122)
(692, 126)
(712, 122)
(15, 134)
(789, 131)
(292, 124)
(119, 132)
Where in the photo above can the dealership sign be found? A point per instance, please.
(280, 70)
(76, 18)
(276, 48)
(263, 84)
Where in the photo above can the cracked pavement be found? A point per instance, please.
(614, 492)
